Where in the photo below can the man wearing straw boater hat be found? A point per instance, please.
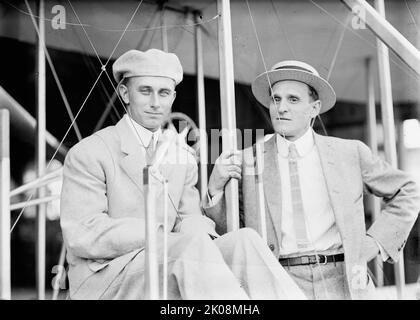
(103, 209)
(313, 187)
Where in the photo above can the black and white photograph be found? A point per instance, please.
(226, 152)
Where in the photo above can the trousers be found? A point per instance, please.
(235, 266)
(321, 282)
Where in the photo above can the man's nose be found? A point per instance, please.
(281, 106)
(154, 100)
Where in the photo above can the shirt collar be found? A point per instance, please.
(142, 134)
(303, 145)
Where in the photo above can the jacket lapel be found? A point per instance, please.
(133, 160)
(329, 157)
(272, 185)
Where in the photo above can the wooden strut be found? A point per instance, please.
(388, 37)
(376, 22)
(151, 173)
(5, 284)
(227, 105)
(41, 155)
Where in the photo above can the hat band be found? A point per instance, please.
(294, 67)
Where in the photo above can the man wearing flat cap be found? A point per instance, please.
(103, 208)
(313, 188)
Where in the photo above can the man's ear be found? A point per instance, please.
(316, 108)
(123, 90)
(173, 99)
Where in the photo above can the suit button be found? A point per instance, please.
(271, 246)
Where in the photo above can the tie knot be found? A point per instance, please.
(293, 154)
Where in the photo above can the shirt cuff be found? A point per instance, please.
(215, 199)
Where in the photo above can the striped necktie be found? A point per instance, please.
(297, 204)
(150, 150)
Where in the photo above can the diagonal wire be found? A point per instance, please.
(119, 40)
(36, 16)
(407, 71)
(144, 35)
(103, 67)
(55, 153)
(57, 80)
(412, 16)
(125, 30)
(87, 36)
(327, 47)
(258, 42)
(167, 26)
(322, 125)
(112, 99)
(116, 91)
(91, 68)
(117, 30)
(283, 30)
(151, 38)
(340, 42)
(59, 146)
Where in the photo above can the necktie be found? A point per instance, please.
(150, 151)
(297, 204)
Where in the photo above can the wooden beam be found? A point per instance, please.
(201, 103)
(23, 124)
(5, 286)
(386, 32)
(41, 209)
(151, 253)
(374, 202)
(387, 111)
(227, 105)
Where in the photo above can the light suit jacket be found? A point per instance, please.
(102, 204)
(350, 169)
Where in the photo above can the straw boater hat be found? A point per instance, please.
(298, 71)
(153, 62)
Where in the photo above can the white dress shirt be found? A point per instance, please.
(319, 217)
(320, 220)
(142, 134)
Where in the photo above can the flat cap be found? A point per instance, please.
(153, 62)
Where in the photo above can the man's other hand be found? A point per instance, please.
(227, 166)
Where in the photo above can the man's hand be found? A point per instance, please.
(227, 166)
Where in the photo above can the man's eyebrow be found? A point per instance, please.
(151, 88)
(288, 94)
